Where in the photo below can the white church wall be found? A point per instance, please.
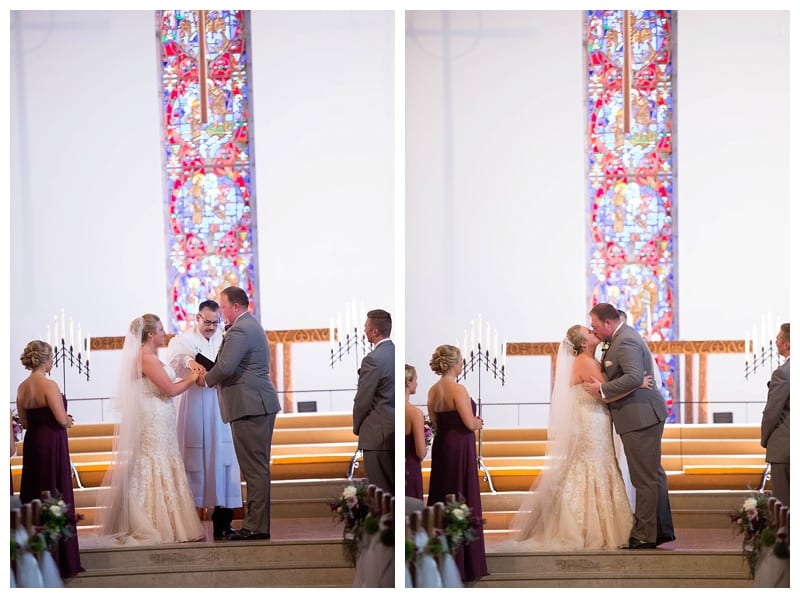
(87, 205)
(496, 195)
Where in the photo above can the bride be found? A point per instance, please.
(579, 502)
(146, 495)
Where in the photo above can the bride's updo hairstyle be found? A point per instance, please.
(35, 354)
(445, 357)
(575, 338)
(145, 325)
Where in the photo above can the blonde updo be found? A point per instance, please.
(35, 354)
(445, 357)
(574, 339)
(411, 371)
(147, 324)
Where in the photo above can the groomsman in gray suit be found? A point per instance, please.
(775, 421)
(247, 399)
(373, 406)
(639, 420)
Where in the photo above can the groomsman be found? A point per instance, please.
(204, 439)
(247, 399)
(775, 421)
(639, 419)
(373, 405)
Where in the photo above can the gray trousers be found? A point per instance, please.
(379, 469)
(252, 441)
(652, 518)
(779, 476)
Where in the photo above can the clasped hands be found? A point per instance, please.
(196, 368)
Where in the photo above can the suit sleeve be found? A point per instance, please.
(776, 400)
(629, 357)
(369, 377)
(233, 350)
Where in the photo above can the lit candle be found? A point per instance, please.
(746, 347)
(488, 338)
(88, 347)
(71, 333)
(80, 338)
(347, 321)
(755, 341)
(63, 326)
(355, 315)
(495, 345)
(330, 334)
(472, 335)
(480, 329)
(339, 325)
(770, 329)
(763, 331)
(505, 348)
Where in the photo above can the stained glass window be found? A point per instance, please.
(630, 116)
(205, 102)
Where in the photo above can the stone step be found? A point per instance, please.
(317, 563)
(617, 569)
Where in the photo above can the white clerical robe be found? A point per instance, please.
(204, 439)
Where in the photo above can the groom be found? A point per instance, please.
(248, 401)
(639, 420)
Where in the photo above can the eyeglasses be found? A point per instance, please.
(210, 322)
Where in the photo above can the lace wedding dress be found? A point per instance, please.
(147, 495)
(580, 503)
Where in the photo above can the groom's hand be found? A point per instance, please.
(593, 387)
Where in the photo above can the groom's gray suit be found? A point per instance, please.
(639, 420)
(247, 399)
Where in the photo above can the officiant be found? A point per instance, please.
(205, 440)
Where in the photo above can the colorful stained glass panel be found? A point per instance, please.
(632, 236)
(210, 234)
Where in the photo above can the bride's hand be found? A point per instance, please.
(647, 382)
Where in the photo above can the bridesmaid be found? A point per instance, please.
(416, 449)
(45, 451)
(454, 460)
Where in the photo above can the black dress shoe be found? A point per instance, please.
(221, 533)
(246, 534)
(660, 541)
(636, 544)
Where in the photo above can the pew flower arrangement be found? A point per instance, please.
(752, 523)
(351, 509)
(458, 524)
(54, 521)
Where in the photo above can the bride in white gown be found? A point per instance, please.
(146, 495)
(579, 502)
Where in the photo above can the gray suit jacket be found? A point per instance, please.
(242, 372)
(625, 364)
(775, 419)
(373, 406)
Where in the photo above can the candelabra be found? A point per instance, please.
(350, 342)
(477, 362)
(67, 356)
(760, 359)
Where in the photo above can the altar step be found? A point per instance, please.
(308, 562)
(618, 569)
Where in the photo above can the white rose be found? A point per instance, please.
(349, 491)
(750, 503)
(458, 513)
(56, 511)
